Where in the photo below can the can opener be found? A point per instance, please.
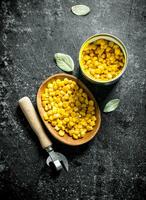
(59, 160)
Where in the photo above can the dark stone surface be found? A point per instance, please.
(113, 165)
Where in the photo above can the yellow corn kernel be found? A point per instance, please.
(51, 94)
(66, 129)
(80, 90)
(104, 46)
(91, 55)
(68, 86)
(64, 89)
(83, 114)
(65, 104)
(69, 92)
(77, 103)
(89, 128)
(86, 101)
(78, 95)
(66, 97)
(58, 100)
(63, 127)
(46, 108)
(68, 108)
(66, 119)
(75, 136)
(64, 122)
(50, 85)
(94, 59)
(115, 46)
(74, 119)
(93, 112)
(66, 114)
(46, 90)
(44, 103)
(101, 59)
(50, 99)
(75, 109)
(108, 55)
(82, 133)
(91, 103)
(109, 76)
(117, 51)
(111, 44)
(56, 115)
(89, 121)
(54, 110)
(60, 104)
(71, 132)
(92, 123)
(43, 96)
(76, 87)
(58, 80)
(66, 81)
(57, 128)
(46, 95)
(84, 106)
(55, 87)
(71, 123)
(89, 116)
(59, 124)
(120, 64)
(50, 90)
(51, 118)
(84, 95)
(92, 46)
(53, 123)
(82, 121)
(108, 49)
(81, 99)
(79, 126)
(88, 62)
(73, 114)
(45, 116)
(61, 133)
(49, 112)
(93, 118)
(86, 57)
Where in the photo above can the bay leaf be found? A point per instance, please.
(64, 62)
(111, 105)
(80, 10)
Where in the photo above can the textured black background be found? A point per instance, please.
(113, 165)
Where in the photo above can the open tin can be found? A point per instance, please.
(107, 37)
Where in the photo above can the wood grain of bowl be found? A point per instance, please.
(67, 139)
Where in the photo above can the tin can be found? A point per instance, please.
(108, 37)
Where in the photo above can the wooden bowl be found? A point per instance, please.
(67, 139)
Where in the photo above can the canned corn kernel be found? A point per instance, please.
(116, 76)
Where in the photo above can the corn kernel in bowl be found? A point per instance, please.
(68, 108)
(102, 60)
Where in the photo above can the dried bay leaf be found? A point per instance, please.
(111, 105)
(64, 62)
(80, 10)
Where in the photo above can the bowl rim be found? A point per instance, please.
(49, 127)
(122, 46)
